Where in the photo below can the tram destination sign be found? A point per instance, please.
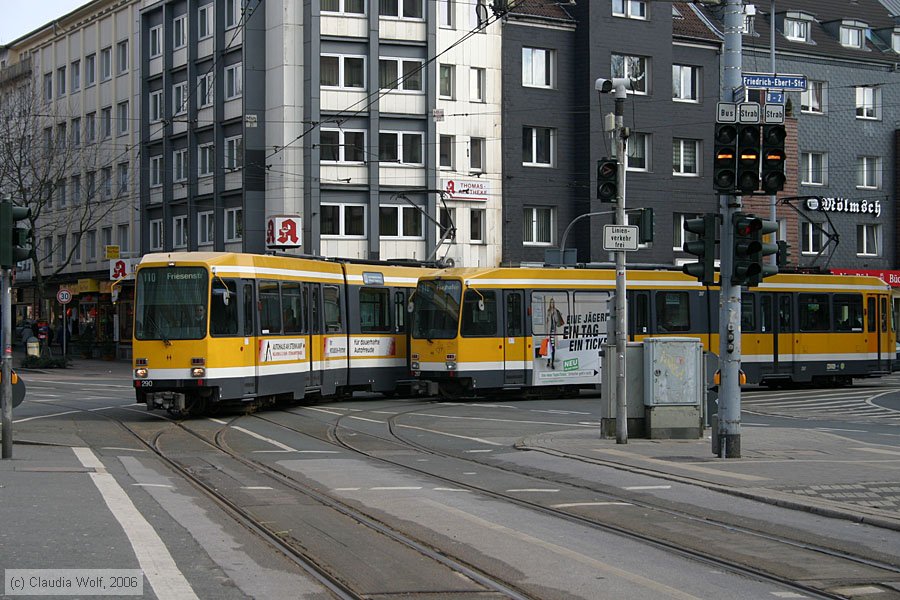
(620, 237)
(771, 81)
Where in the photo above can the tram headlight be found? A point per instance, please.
(141, 373)
(450, 364)
(414, 365)
(198, 372)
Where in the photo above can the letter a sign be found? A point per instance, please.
(284, 231)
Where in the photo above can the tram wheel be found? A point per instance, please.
(194, 406)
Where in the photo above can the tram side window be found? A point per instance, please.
(870, 315)
(270, 308)
(477, 322)
(883, 315)
(672, 312)
(291, 308)
(895, 313)
(223, 310)
(332, 295)
(814, 314)
(641, 314)
(400, 311)
(249, 304)
(848, 310)
(784, 313)
(374, 310)
(748, 314)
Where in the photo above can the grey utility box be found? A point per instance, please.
(674, 387)
(634, 386)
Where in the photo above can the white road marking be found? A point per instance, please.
(561, 412)
(471, 472)
(158, 565)
(327, 412)
(547, 490)
(477, 451)
(648, 487)
(878, 451)
(443, 489)
(836, 429)
(516, 421)
(394, 488)
(256, 487)
(219, 421)
(575, 504)
(346, 489)
(453, 435)
(125, 449)
(162, 485)
(68, 412)
(788, 595)
(860, 590)
(366, 420)
(275, 443)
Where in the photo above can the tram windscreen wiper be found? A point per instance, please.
(159, 330)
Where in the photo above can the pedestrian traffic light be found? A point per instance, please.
(748, 158)
(748, 261)
(773, 157)
(725, 161)
(781, 257)
(15, 242)
(704, 248)
(607, 180)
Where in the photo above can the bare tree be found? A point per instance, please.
(65, 167)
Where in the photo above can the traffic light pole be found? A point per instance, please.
(621, 333)
(729, 418)
(6, 367)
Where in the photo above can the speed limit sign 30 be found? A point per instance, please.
(64, 296)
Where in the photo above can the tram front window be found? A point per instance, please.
(436, 309)
(171, 303)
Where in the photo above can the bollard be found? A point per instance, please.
(33, 347)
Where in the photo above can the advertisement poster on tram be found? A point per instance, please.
(569, 330)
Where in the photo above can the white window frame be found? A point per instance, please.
(179, 164)
(75, 76)
(156, 234)
(630, 9)
(449, 80)
(342, 72)
(796, 30)
(401, 146)
(123, 111)
(234, 224)
(122, 58)
(61, 248)
(233, 15)
(206, 159)
(343, 207)
(451, 141)
(206, 228)
(400, 14)
(76, 132)
(631, 63)
(76, 190)
(865, 231)
(234, 81)
(477, 83)
(179, 98)
(205, 90)
(206, 20)
(446, 217)
(48, 87)
(342, 146)
(852, 37)
(446, 13)
(90, 244)
(123, 233)
(179, 32)
(808, 234)
(633, 144)
(401, 232)
(90, 127)
(540, 73)
(179, 231)
(106, 122)
(106, 180)
(76, 248)
(477, 166)
(400, 81)
(122, 178)
(155, 106)
(342, 9)
(534, 129)
(106, 64)
(530, 225)
(895, 41)
(863, 169)
(234, 152)
(481, 239)
(61, 81)
(678, 168)
(687, 77)
(808, 171)
(868, 103)
(90, 70)
(155, 38)
(815, 90)
(156, 170)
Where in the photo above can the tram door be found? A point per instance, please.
(877, 318)
(312, 300)
(248, 325)
(515, 343)
(778, 322)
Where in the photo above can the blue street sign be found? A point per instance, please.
(763, 81)
(774, 97)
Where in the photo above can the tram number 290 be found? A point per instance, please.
(146, 383)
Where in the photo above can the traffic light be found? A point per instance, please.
(645, 226)
(749, 266)
(607, 180)
(15, 242)
(781, 257)
(773, 157)
(704, 248)
(748, 158)
(725, 161)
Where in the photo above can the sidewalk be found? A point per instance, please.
(78, 366)
(815, 471)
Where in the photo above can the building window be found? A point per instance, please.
(179, 98)
(61, 249)
(895, 41)
(633, 68)
(400, 222)
(76, 131)
(797, 31)
(124, 238)
(232, 13)
(812, 99)
(90, 186)
(476, 154)
(445, 13)
(106, 181)
(812, 238)
(812, 168)
(447, 82)
(340, 71)
(476, 225)
(122, 57)
(122, 116)
(76, 190)
(61, 192)
(179, 32)
(155, 106)
(345, 220)
(206, 227)
(234, 152)
(342, 145)
(48, 249)
(389, 78)
(155, 41)
(76, 248)
(156, 234)
(447, 225)
(476, 84)
(400, 147)
(538, 146)
(205, 159)
(106, 122)
(155, 170)
(868, 240)
(205, 90)
(684, 157)
(179, 232)
(75, 75)
(868, 172)
(122, 173)
(61, 81)
(632, 9)
(537, 226)
(90, 245)
(354, 7)
(48, 87)
(401, 9)
(538, 67)
(90, 62)
(685, 83)
(205, 21)
(90, 127)
(234, 85)
(234, 224)
(179, 163)
(868, 103)
(106, 64)
(851, 37)
(637, 157)
(478, 14)
(447, 143)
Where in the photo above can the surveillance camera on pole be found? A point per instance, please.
(619, 85)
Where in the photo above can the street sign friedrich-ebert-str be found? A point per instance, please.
(770, 81)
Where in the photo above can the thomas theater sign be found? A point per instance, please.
(892, 278)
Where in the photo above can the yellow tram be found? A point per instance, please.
(538, 329)
(216, 327)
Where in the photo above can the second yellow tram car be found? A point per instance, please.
(518, 328)
(218, 327)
